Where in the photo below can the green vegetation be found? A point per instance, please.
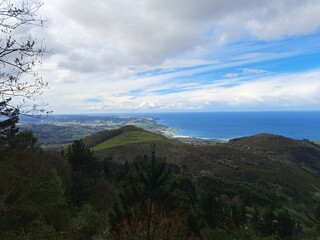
(33, 204)
(129, 138)
(258, 187)
(149, 207)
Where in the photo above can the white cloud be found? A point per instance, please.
(99, 48)
(130, 33)
(285, 18)
(252, 70)
(273, 92)
(231, 75)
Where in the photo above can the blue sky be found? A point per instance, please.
(194, 55)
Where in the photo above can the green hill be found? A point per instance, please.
(125, 143)
(263, 154)
(262, 169)
(272, 157)
(304, 153)
(127, 138)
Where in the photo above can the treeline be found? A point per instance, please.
(46, 194)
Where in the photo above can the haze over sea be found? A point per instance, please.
(228, 125)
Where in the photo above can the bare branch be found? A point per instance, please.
(19, 57)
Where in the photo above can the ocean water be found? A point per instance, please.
(228, 125)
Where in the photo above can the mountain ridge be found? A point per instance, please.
(261, 150)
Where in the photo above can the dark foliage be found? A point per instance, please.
(49, 195)
(149, 207)
(9, 117)
(31, 191)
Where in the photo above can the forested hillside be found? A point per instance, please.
(132, 184)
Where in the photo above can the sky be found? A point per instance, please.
(107, 56)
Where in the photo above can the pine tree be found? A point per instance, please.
(81, 158)
(84, 166)
(148, 208)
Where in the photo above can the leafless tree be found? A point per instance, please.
(20, 53)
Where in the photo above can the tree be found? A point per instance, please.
(8, 125)
(84, 174)
(285, 224)
(211, 207)
(81, 158)
(149, 208)
(19, 55)
(32, 199)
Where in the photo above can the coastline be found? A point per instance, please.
(230, 125)
(169, 132)
(190, 128)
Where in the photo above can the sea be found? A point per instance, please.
(229, 125)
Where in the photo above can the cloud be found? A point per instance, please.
(252, 70)
(93, 100)
(284, 19)
(192, 54)
(154, 32)
(289, 91)
(231, 75)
